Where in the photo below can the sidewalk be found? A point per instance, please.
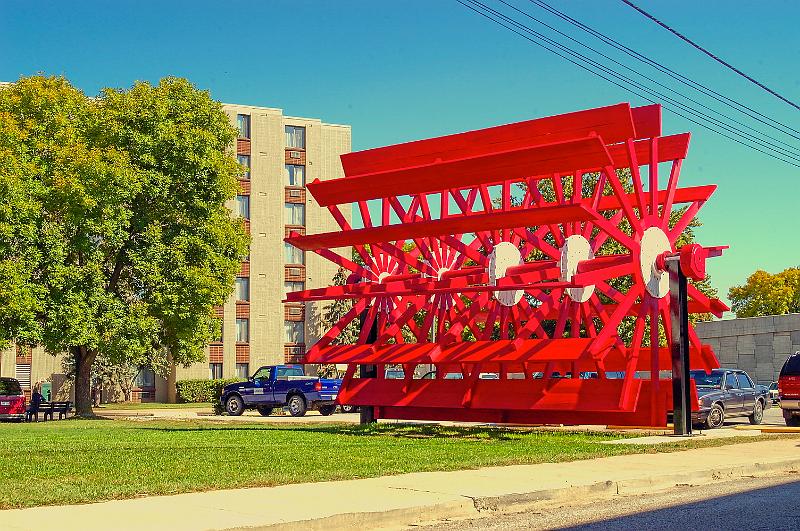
(396, 501)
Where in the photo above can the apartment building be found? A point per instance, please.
(282, 153)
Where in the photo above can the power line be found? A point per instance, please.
(639, 86)
(708, 91)
(708, 53)
(696, 102)
(601, 75)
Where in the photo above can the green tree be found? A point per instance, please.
(766, 294)
(133, 245)
(19, 214)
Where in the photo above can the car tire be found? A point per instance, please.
(265, 411)
(234, 405)
(349, 409)
(326, 410)
(792, 421)
(758, 413)
(716, 417)
(297, 406)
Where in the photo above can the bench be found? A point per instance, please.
(49, 409)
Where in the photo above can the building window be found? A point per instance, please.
(145, 378)
(244, 160)
(243, 123)
(289, 286)
(295, 175)
(294, 213)
(242, 330)
(23, 375)
(295, 331)
(242, 289)
(295, 137)
(292, 254)
(243, 206)
(243, 371)
(215, 371)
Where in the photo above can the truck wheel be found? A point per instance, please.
(758, 413)
(326, 410)
(265, 411)
(234, 405)
(716, 417)
(349, 409)
(297, 405)
(791, 419)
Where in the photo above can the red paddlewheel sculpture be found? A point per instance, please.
(490, 259)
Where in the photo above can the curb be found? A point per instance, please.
(477, 507)
(603, 489)
(768, 429)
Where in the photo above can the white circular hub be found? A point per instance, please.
(575, 250)
(654, 242)
(383, 275)
(504, 255)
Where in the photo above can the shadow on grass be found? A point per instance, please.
(406, 431)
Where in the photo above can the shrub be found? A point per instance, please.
(201, 390)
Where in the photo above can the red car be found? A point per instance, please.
(12, 400)
(789, 390)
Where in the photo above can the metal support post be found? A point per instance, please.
(367, 413)
(679, 314)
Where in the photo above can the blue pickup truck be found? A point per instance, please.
(278, 386)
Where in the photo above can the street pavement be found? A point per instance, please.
(207, 414)
(746, 503)
(772, 417)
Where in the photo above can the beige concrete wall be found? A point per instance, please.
(8, 362)
(44, 367)
(324, 164)
(758, 345)
(266, 249)
(324, 144)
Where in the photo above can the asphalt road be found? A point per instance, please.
(771, 503)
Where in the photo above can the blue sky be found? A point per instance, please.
(404, 70)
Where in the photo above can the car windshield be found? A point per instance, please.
(773, 386)
(9, 387)
(709, 381)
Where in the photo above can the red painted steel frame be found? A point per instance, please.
(510, 259)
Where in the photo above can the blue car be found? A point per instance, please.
(278, 386)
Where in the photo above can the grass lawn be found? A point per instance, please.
(77, 461)
(151, 405)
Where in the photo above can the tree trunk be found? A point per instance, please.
(84, 358)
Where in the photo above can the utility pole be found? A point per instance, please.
(679, 348)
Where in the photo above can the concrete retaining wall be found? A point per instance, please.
(759, 345)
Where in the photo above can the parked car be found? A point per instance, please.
(12, 400)
(773, 392)
(789, 389)
(726, 393)
(394, 374)
(281, 385)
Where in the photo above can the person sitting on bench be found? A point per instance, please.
(33, 407)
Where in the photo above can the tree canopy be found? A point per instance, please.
(114, 235)
(767, 294)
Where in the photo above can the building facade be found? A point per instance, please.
(282, 154)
